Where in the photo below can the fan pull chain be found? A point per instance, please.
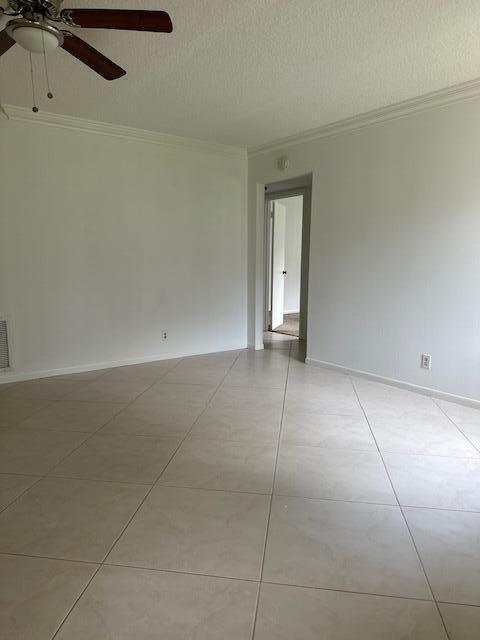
(34, 108)
(49, 93)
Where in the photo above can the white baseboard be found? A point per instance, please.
(427, 391)
(13, 376)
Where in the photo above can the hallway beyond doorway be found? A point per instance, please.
(291, 324)
(283, 269)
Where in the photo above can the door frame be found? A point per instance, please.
(306, 192)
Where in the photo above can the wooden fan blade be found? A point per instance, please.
(91, 57)
(118, 19)
(5, 42)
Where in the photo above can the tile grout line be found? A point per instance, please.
(48, 401)
(90, 435)
(142, 502)
(207, 405)
(75, 602)
(456, 426)
(272, 495)
(252, 493)
(255, 612)
(401, 511)
(54, 466)
(359, 593)
(125, 406)
(236, 579)
(34, 484)
(307, 445)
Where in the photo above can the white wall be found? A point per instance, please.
(395, 246)
(293, 252)
(106, 241)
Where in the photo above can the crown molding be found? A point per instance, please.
(433, 100)
(22, 114)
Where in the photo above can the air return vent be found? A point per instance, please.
(4, 354)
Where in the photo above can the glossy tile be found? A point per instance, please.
(302, 375)
(329, 431)
(341, 545)
(147, 371)
(466, 418)
(196, 375)
(335, 474)
(72, 416)
(12, 486)
(262, 400)
(238, 425)
(124, 603)
(430, 436)
(185, 560)
(462, 622)
(197, 531)
(173, 419)
(258, 372)
(110, 390)
(461, 414)
(68, 519)
(13, 410)
(119, 458)
(472, 432)
(36, 594)
(6, 386)
(320, 389)
(43, 389)
(215, 360)
(334, 399)
(432, 481)
(35, 452)
(385, 401)
(230, 466)
(262, 358)
(449, 545)
(287, 613)
(83, 376)
(163, 393)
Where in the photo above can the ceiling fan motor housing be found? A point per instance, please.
(47, 8)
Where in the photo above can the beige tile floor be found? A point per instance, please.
(237, 495)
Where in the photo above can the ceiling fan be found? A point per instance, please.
(38, 26)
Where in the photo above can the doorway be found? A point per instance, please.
(284, 230)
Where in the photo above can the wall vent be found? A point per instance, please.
(4, 353)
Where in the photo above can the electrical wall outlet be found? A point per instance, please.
(426, 361)
(164, 334)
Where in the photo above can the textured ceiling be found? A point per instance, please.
(246, 72)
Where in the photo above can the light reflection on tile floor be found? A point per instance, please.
(137, 503)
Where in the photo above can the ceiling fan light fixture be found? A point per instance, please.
(36, 30)
(35, 37)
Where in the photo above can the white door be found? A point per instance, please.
(278, 263)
